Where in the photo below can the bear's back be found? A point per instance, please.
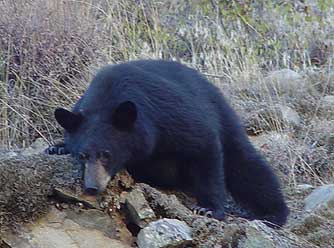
(167, 91)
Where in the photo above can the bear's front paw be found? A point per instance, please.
(56, 150)
(202, 211)
(219, 215)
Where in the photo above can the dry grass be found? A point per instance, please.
(49, 50)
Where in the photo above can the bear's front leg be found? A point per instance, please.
(208, 187)
(57, 149)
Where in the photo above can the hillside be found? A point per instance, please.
(273, 60)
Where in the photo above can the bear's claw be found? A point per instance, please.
(58, 150)
(202, 211)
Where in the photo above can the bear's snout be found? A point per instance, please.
(96, 178)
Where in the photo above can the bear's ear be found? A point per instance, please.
(68, 120)
(125, 115)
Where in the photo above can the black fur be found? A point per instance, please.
(170, 127)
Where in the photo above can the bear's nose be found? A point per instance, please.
(91, 191)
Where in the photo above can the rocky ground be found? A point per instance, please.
(43, 206)
(42, 203)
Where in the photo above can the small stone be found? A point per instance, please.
(165, 233)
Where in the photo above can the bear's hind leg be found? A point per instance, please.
(254, 185)
(208, 187)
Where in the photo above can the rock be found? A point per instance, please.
(208, 231)
(256, 238)
(72, 196)
(166, 205)
(266, 140)
(139, 209)
(258, 235)
(93, 219)
(284, 81)
(321, 197)
(211, 233)
(284, 75)
(91, 228)
(289, 116)
(165, 233)
(37, 147)
(232, 234)
(27, 181)
(25, 184)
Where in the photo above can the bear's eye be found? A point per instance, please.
(83, 156)
(105, 155)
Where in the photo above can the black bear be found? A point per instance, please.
(169, 127)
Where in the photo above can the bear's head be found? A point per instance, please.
(102, 141)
